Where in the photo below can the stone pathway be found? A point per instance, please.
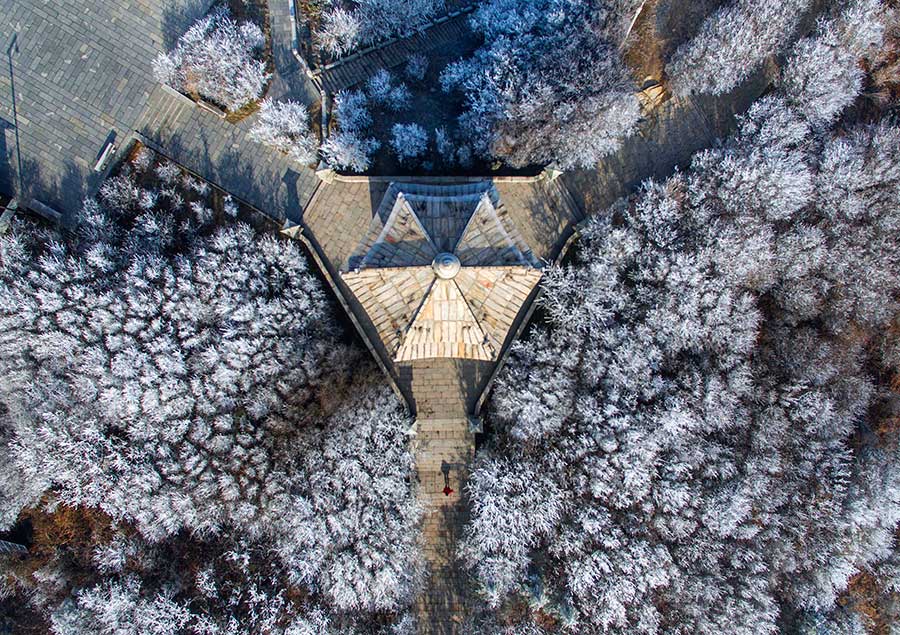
(674, 132)
(444, 448)
(79, 74)
(222, 153)
(290, 80)
(358, 68)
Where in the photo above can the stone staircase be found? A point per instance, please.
(357, 68)
(444, 449)
(167, 112)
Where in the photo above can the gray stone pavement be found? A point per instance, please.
(81, 75)
(668, 139)
(290, 80)
(444, 449)
(222, 153)
(80, 71)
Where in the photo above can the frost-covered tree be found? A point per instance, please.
(823, 74)
(117, 608)
(347, 25)
(444, 146)
(183, 376)
(409, 141)
(226, 587)
(689, 444)
(154, 345)
(284, 125)
(378, 86)
(351, 108)
(218, 59)
(733, 43)
(383, 90)
(416, 67)
(349, 148)
(339, 31)
(549, 85)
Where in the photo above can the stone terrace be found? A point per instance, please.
(80, 72)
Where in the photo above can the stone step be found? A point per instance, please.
(456, 433)
(424, 425)
(430, 464)
(429, 442)
(358, 69)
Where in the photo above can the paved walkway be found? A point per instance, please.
(444, 448)
(79, 75)
(221, 153)
(290, 80)
(673, 133)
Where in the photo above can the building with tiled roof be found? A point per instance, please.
(442, 272)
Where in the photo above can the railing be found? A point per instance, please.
(9, 210)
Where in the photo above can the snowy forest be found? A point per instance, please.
(177, 392)
(702, 435)
(697, 433)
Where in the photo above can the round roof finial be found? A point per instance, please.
(445, 266)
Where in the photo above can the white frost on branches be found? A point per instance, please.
(732, 44)
(416, 67)
(409, 141)
(339, 31)
(219, 59)
(381, 90)
(346, 26)
(823, 75)
(696, 419)
(183, 377)
(284, 126)
(349, 148)
(549, 85)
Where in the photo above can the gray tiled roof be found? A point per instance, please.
(418, 315)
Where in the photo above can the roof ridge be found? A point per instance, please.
(454, 345)
(485, 202)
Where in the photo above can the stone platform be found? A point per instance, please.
(444, 449)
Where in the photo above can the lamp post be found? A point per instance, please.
(14, 47)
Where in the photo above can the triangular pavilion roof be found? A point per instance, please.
(423, 310)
